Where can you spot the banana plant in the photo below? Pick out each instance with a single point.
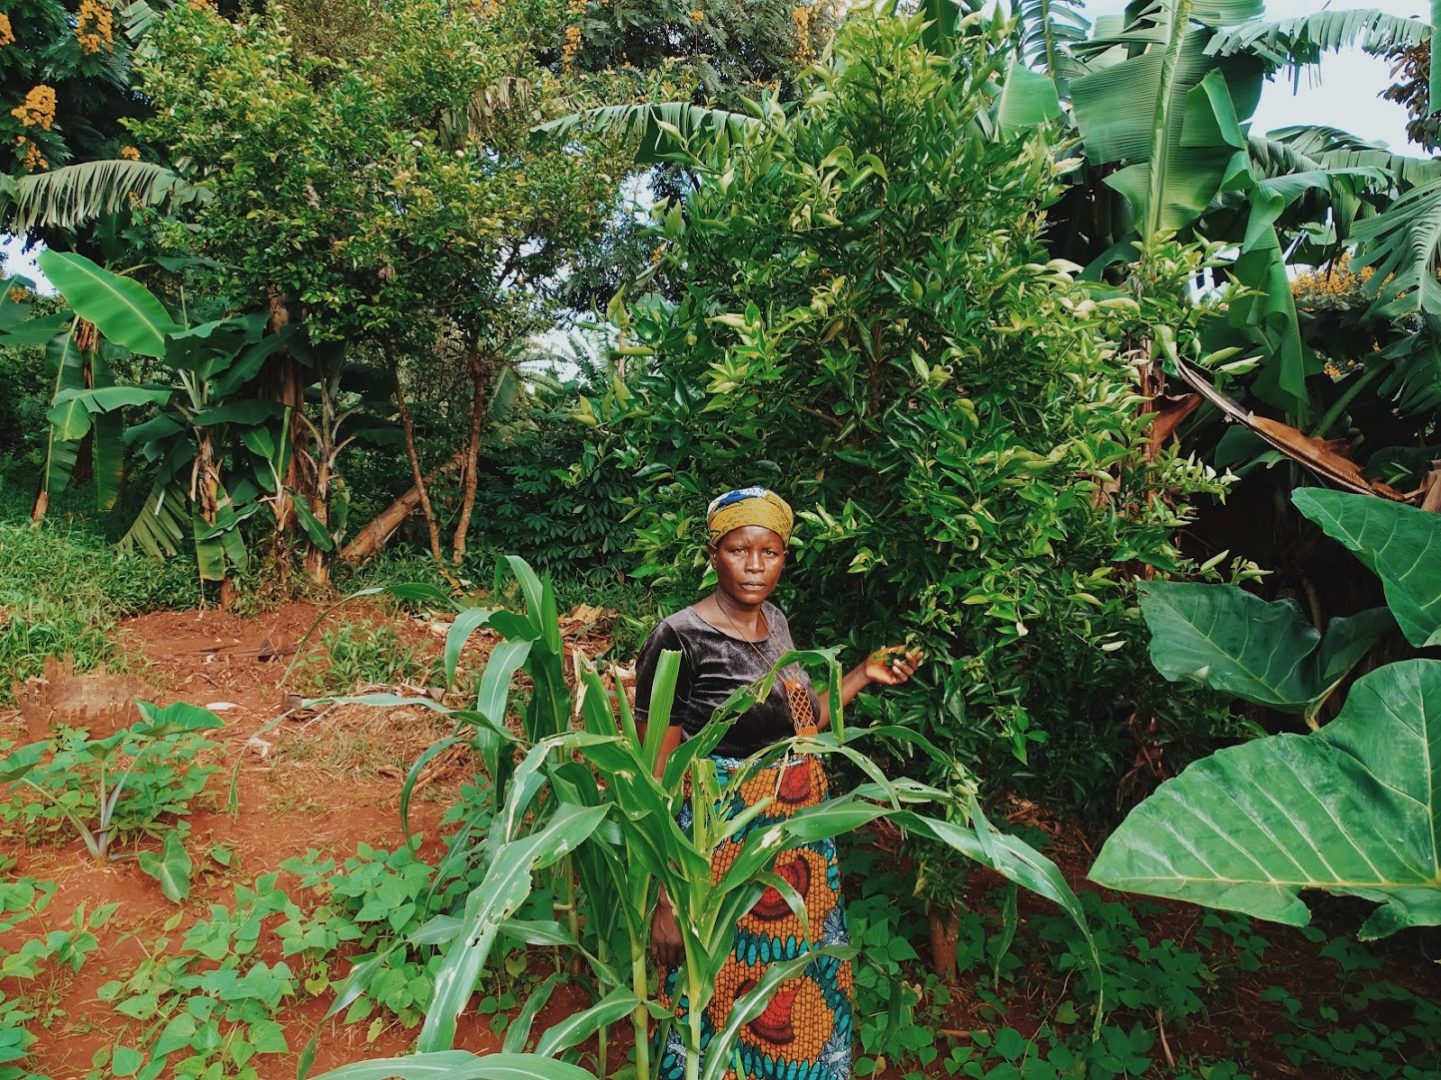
(1350, 808)
(1192, 165)
(77, 360)
(212, 365)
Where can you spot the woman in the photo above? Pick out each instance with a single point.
(730, 639)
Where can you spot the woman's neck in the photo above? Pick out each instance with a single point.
(748, 620)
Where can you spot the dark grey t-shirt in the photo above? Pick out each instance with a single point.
(712, 666)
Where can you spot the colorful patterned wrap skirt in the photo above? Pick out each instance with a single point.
(805, 1031)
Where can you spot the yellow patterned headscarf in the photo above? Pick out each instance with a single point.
(749, 506)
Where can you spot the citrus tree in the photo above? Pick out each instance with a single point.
(866, 319)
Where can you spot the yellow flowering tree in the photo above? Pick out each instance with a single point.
(66, 68)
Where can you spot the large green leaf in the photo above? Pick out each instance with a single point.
(160, 525)
(1046, 29)
(123, 310)
(35, 331)
(1177, 152)
(466, 623)
(460, 1065)
(67, 363)
(1400, 544)
(1403, 246)
(1027, 99)
(171, 867)
(1225, 638)
(1354, 808)
(1333, 148)
(71, 411)
(576, 1028)
(1268, 310)
(506, 884)
(74, 194)
(179, 717)
(1297, 42)
(1434, 90)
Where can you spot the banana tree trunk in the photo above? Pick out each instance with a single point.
(282, 381)
(317, 560)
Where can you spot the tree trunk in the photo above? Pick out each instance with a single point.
(369, 540)
(317, 561)
(479, 378)
(281, 381)
(420, 487)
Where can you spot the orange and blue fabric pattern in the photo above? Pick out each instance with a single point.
(805, 1031)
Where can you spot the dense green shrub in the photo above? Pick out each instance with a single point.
(548, 494)
(866, 321)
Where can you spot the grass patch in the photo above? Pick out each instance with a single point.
(63, 590)
(351, 656)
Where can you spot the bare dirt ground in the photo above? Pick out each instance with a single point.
(288, 781)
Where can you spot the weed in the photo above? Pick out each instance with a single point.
(62, 590)
(352, 655)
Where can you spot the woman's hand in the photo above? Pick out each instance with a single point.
(893, 664)
(665, 942)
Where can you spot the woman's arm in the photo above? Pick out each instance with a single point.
(889, 666)
(668, 742)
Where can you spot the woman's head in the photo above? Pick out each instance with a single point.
(748, 533)
(749, 506)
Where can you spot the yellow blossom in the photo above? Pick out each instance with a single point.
(696, 15)
(34, 159)
(19, 295)
(94, 27)
(129, 153)
(38, 108)
(571, 47)
(801, 16)
(7, 32)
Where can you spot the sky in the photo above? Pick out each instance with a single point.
(1343, 92)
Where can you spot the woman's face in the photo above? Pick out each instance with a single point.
(748, 564)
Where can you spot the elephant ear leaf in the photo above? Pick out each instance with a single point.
(1353, 809)
(1400, 544)
(1227, 639)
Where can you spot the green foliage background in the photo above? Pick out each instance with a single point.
(867, 321)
